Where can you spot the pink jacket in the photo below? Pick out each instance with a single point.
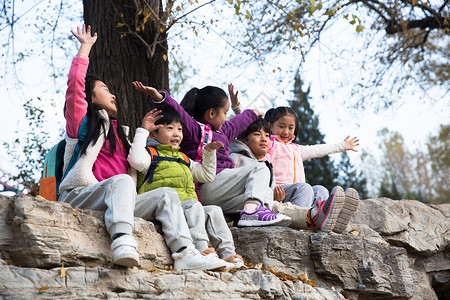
(106, 165)
(287, 158)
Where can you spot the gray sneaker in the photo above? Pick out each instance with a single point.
(325, 214)
(350, 206)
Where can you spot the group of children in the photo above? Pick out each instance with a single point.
(224, 167)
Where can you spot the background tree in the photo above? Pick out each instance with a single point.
(28, 150)
(406, 42)
(439, 157)
(318, 170)
(349, 176)
(133, 46)
(420, 175)
(397, 163)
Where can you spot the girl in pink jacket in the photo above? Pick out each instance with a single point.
(287, 159)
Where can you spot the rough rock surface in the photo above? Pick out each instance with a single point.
(401, 250)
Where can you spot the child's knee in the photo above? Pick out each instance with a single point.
(213, 211)
(123, 178)
(169, 196)
(123, 181)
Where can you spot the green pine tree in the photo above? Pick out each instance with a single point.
(318, 170)
(350, 177)
(389, 189)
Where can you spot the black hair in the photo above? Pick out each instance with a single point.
(197, 101)
(96, 124)
(170, 115)
(259, 124)
(273, 114)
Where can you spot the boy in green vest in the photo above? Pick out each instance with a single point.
(155, 155)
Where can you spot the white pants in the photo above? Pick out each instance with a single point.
(232, 188)
(116, 196)
(207, 224)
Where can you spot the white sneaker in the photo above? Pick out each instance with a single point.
(228, 266)
(238, 263)
(191, 259)
(124, 251)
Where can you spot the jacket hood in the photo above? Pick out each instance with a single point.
(236, 146)
(152, 142)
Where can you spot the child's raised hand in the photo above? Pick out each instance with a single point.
(233, 96)
(86, 40)
(148, 90)
(278, 193)
(84, 36)
(351, 143)
(213, 146)
(258, 113)
(150, 118)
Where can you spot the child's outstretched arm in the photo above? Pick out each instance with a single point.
(206, 172)
(138, 157)
(191, 129)
(351, 143)
(86, 40)
(76, 106)
(148, 90)
(235, 105)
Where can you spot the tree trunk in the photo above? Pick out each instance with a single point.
(121, 54)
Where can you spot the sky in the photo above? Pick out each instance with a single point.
(414, 119)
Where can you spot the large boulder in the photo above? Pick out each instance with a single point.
(49, 250)
(45, 234)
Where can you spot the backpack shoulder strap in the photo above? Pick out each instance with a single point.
(156, 158)
(205, 138)
(82, 133)
(154, 154)
(186, 159)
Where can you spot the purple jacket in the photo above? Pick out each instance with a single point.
(192, 132)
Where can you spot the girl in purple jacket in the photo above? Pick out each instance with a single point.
(203, 112)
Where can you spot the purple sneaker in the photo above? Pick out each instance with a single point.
(262, 217)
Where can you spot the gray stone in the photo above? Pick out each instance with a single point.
(399, 250)
(407, 223)
(48, 234)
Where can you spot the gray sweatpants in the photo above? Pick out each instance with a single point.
(207, 223)
(232, 188)
(303, 194)
(116, 196)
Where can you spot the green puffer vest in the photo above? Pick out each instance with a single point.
(169, 174)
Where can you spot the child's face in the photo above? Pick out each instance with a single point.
(220, 116)
(102, 97)
(258, 142)
(169, 134)
(284, 127)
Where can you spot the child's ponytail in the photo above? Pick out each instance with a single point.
(197, 101)
(189, 101)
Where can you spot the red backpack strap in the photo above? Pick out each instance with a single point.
(186, 159)
(205, 138)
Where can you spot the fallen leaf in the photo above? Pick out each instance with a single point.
(353, 231)
(43, 288)
(63, 272)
